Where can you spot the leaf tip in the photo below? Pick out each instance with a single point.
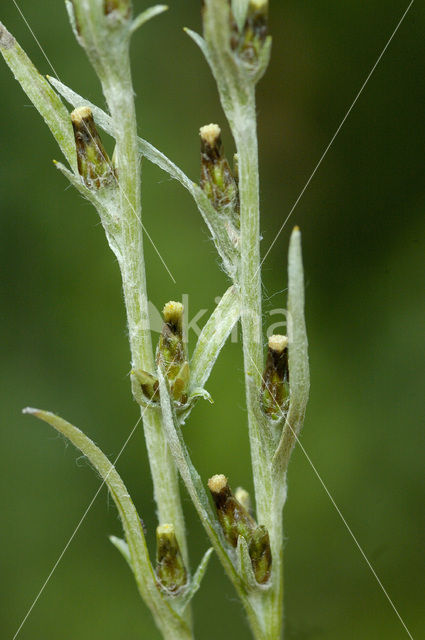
(31, 411)
(7, 41)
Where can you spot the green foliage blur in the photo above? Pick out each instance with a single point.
(63, 332)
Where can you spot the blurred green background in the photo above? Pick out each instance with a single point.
(63, 332)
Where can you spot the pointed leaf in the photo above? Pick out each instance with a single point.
(73, 21)
(196, 581)
(147, 15)
(122, 547)
(199, 40)
(244, 564)
(213, 336)
(299, 385)
(75, 180)
(264, 59)
(41, 94)
(245, 567)
(101, 118)
(165, 616)
(198, 392)
(129, 516)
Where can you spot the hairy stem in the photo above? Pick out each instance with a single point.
(119, 94)
(249, 277)
(269, 496)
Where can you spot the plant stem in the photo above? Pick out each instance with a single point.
(269, 495)
(119, 94)
(250, 277)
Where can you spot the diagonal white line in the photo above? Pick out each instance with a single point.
(347, 526)
(338, 510)
(44, 585)
(337, 131)
(35, 38)
(100, 151)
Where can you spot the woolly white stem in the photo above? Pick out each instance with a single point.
(119, 94)
(269, 496)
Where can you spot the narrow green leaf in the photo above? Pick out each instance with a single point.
(41, 94)
(195, 583)
(245, 566)
(199, 40)
(128, 514)
(212, 338)
(297, 353)
(122, 547)
(198, 392)
(264, 59)
(147, 15)
(101, 118)
(76, 181)
(73, 21)
(164, 614)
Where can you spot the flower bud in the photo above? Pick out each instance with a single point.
(93, 162)
(275, 386)
(171, 352)
(260, 554)
(249, 41)
(233, 517)
(236, 521)
(217, 180)
(170, 569)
